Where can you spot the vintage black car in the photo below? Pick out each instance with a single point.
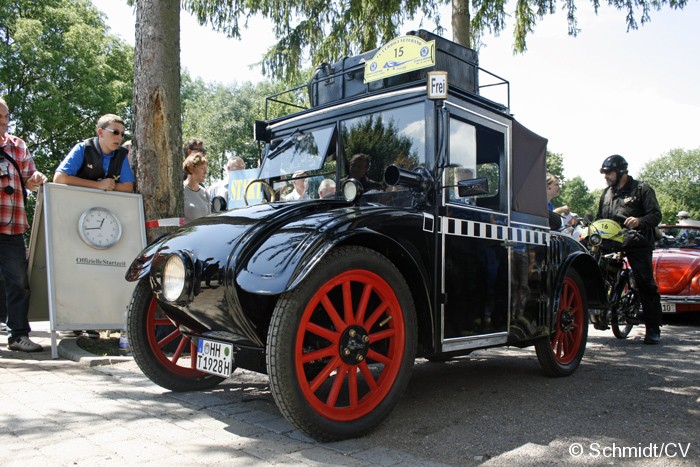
(439, 246)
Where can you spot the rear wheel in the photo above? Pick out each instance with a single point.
(341, 345)
(165, 355)
(561, 353)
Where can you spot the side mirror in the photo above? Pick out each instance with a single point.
(218, 204)
(473, 187)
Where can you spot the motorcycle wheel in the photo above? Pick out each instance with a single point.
(628, 305)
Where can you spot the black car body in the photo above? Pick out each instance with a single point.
(335, 297)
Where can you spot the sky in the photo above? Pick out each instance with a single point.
(607, 91)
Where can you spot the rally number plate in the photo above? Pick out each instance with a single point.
(215, 358)
(668, 307)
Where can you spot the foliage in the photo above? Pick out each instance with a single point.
(223, 116)
(60, 69)
(327, 30)
(381, 141)
(575, 194)
(675, 176)
(555, 165)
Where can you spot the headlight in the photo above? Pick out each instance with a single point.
(352, 189)
(595, 239)
(173, 278)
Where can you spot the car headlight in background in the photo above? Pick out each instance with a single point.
(174, 276)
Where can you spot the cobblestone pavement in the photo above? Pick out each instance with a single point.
(492, 408)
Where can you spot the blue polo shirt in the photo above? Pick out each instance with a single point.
(75, 158)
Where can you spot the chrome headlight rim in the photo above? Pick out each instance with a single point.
(176, 278)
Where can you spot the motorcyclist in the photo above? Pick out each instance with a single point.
(633, 203)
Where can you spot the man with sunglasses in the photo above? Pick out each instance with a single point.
(633, 203)
(17, 174)
(99, 162)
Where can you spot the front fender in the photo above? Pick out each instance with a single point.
(287, 256)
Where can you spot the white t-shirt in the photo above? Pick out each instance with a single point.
(197, 203)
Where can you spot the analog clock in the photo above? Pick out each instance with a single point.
(99, 227)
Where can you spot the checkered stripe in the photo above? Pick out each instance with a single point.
(13, 217)
(485, 230)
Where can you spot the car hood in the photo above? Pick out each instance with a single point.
(674, 268)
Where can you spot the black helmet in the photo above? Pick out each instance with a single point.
(614, 163)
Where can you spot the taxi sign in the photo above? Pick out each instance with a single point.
(215, 357)
(401, 55)
(437, 85)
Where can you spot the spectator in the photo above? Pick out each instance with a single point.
(197, 202)
(554, 190)
(299, 184)
(190, 146)
(220, 188)
(100, 162)
(326, 189)
(17, 174)
(127, 146)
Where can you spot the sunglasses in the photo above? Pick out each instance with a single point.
(115, 132)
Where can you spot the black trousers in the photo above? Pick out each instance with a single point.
(640, 261)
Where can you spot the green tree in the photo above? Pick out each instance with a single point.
(575, 194)
(675, 176)
(60, 69)
(223, 116)
(326, 30)
(555, 165)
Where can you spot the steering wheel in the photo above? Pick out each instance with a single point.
(268, 193)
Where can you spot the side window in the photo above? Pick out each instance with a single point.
(476, 152)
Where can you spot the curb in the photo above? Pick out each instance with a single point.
(69, 349)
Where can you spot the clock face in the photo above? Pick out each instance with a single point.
(99, 227)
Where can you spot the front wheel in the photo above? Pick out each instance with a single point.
(165, 355)
(561, 353)
(627, 310)
(341, 345)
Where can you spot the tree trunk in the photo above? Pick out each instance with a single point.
(156, 152)
(460, 22)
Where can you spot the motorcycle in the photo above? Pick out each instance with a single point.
(604, 239)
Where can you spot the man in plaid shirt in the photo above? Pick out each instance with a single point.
(17, 174)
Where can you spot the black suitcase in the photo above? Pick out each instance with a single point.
(345, 78)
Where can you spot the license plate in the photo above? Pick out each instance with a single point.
(668, 307)
(214, 357)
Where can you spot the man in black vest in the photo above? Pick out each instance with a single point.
(99, 162)
(633, 204)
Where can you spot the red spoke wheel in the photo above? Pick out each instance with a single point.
(561, 353)
(341, 345)
(165, 355)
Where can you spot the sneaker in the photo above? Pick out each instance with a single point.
(25, 345)
(92, 334)
(3, 326)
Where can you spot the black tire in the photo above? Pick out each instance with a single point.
(628, 305)
(172, 370)
(560, 354)
(337, 374)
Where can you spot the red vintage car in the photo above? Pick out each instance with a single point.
(676, 263)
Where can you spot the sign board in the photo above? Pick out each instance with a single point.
(82, 243)
(238, 180)
(398, 56)
(437, 85)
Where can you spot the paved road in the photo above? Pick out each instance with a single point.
(491, 408)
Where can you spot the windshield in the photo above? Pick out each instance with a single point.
(298, 152)
(680, 236)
